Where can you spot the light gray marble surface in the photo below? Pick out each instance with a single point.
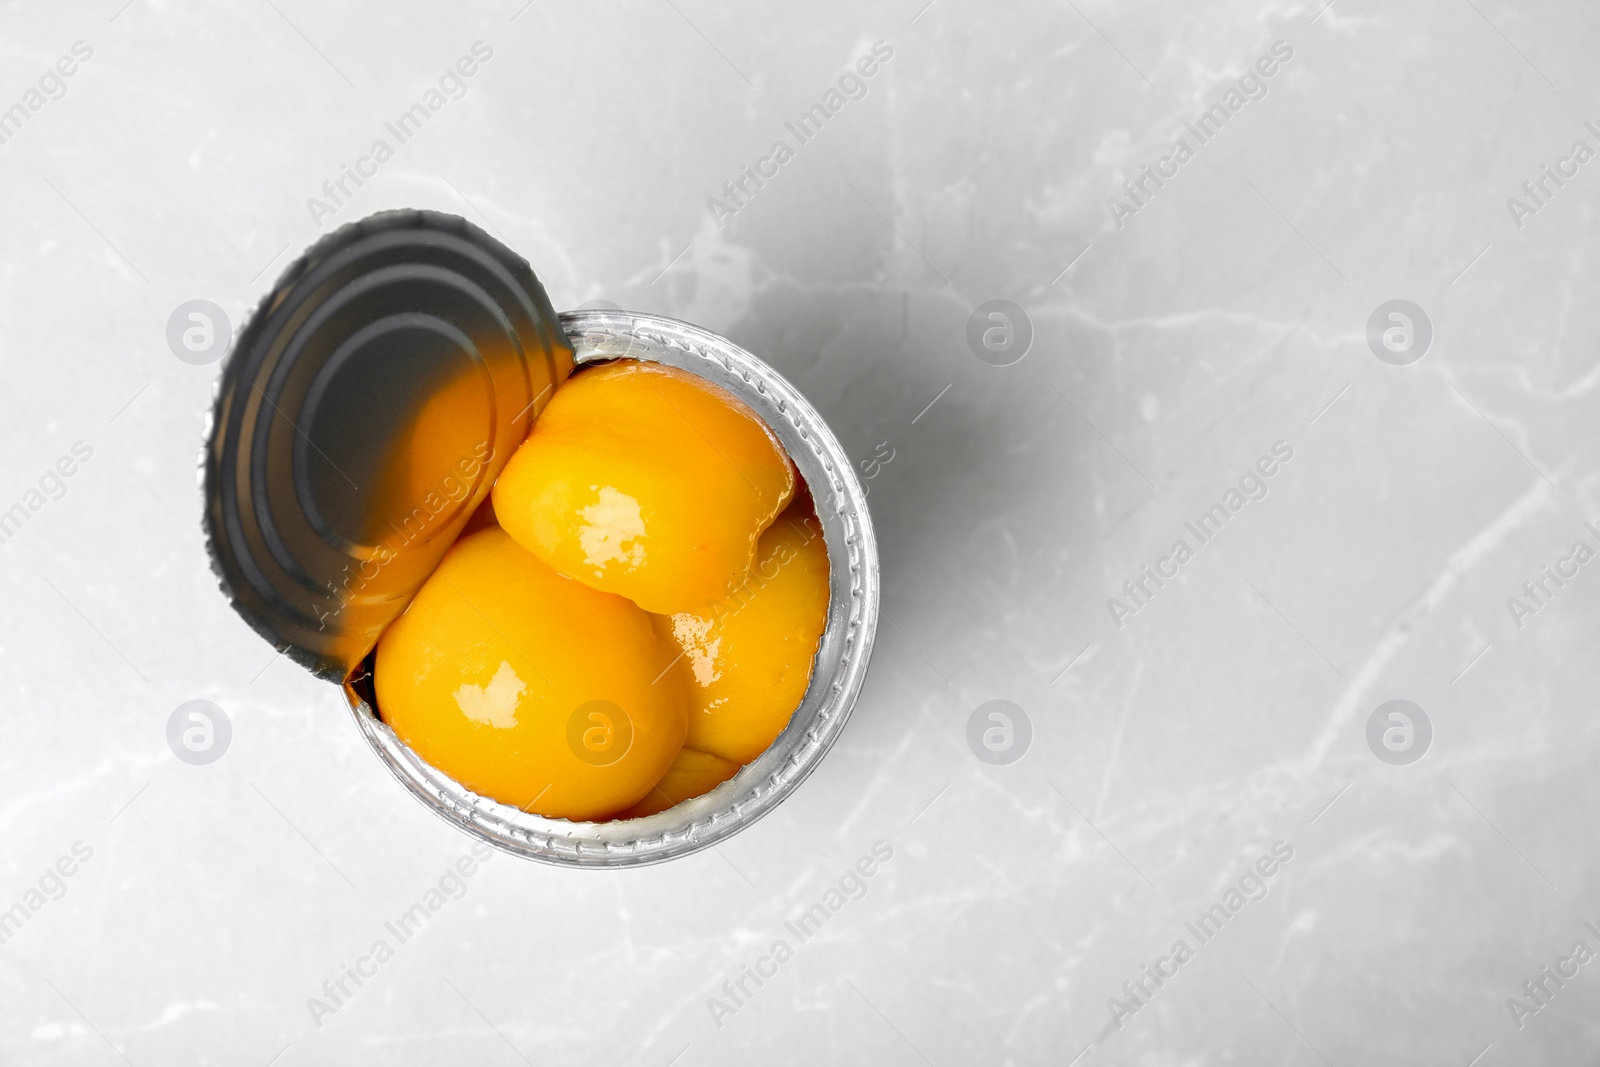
(1227, 312)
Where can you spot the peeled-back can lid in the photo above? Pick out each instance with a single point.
(361, 418)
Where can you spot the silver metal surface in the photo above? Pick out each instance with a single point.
(362, 415)
(841, 661)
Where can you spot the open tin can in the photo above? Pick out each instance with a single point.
(333, 482)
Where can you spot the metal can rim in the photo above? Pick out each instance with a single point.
(838, 672)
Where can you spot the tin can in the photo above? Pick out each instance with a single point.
(510, 338)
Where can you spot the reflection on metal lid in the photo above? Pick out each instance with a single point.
(362, 416)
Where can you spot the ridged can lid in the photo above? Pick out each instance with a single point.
(361, 418)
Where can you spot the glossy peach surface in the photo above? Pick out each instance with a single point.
(648, 482)
(531, 688)
(692, 773)
(748, 657)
